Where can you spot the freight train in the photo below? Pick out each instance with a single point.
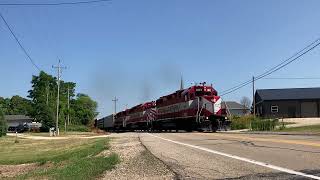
(195, 108)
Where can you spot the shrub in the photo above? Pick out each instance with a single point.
(255, 124)
(79, 128)
(3, 124)
(242, 122)
(264, 125)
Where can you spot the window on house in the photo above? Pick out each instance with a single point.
(274, 109)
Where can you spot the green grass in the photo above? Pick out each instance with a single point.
(77, 168)
(58, 159)
(243, 122)
(253, 123)
(29, 151)
(263, 124)
(78, 128)
(307, 129)
(256, 124)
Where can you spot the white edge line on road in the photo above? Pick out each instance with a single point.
(242, 159)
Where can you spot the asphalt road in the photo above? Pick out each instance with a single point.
(236, 156)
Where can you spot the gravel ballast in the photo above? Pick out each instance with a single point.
(136, 161)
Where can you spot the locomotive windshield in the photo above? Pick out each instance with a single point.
(201, 92)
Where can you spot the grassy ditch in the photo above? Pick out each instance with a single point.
(58, 159)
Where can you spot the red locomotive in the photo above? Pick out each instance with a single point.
(195, 108)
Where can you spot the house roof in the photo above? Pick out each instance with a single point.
(17, 117)
(289, 94)
(232, 105)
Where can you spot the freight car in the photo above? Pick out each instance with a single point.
(106, 123)
(195, 108)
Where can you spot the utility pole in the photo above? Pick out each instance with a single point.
(68, 105)
(115, 105)
(59, 70)
(253, 98)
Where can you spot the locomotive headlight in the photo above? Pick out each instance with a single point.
(207, 118)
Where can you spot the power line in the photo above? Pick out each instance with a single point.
(288, 78)
(237, 86)
(284, 63)
(20, 45)
(275, 67)
(288, 60)
(53, 4)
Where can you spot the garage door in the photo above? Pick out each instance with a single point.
(309, 109)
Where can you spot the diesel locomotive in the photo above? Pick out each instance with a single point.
(195, 108)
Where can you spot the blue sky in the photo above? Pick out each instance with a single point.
(137, 50)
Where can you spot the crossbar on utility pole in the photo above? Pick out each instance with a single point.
(59, 71)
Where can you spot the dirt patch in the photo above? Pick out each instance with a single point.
(298, 122)
(104, 153)
(136, 161)
(9, 171)
(69, 136)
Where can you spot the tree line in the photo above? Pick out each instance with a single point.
(41, 103)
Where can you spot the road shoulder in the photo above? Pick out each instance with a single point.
(136, 161)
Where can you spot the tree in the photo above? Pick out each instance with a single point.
(245, 102)
(15, 106)
(43, 98)
(46, 116)
(19, 105)
(3, 124)
(85, 109)
(5, 105)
